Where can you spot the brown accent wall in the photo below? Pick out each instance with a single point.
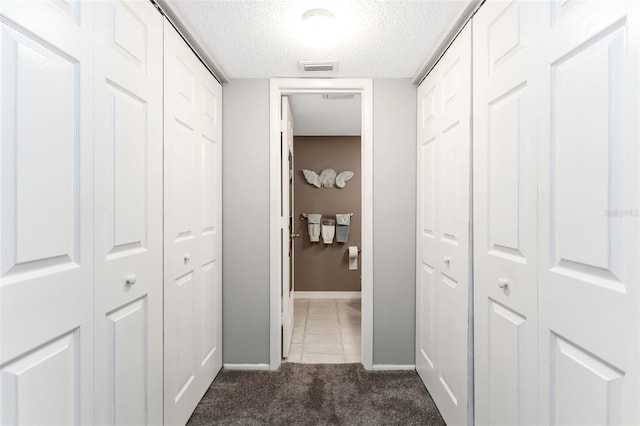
(319, 266)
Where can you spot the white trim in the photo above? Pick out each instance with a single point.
(278, 87)
(242, 367)
(393, 367)
(327, 295)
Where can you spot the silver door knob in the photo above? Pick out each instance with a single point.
(294, 236)
(187, 258)
(130, 280)
(503, 283)
(447, 260)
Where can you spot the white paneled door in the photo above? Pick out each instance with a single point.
(128, 213)
(505, 88)
(589, 189)
(192, 222)
(46, 213)
(286, 232)
(442, 301)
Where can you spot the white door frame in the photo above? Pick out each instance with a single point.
(284, 86)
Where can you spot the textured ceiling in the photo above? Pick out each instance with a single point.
(378, 38)
(315, 116)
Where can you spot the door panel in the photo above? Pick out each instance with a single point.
(582, 242)
(128, 364)
(46, 379)
(181, 189)
(426, 354)
(507, 361)
(209, 287)
(286, 228)
(128, 213)
(127, 171)
(180, 368)
(57, 162)
(504, 162)
(452, 251)
(443, 239)
(589, 195)
(588, 389)
(192, 248)
(505, 219)
(46, 267)
(208, 337)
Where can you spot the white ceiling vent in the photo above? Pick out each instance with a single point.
(318, 66)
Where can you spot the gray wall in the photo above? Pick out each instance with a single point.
(394, 221)
(246, 221)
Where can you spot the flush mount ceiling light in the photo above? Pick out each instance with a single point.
(319, 27)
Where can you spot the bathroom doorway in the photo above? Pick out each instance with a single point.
(314, 310)
(325, 198)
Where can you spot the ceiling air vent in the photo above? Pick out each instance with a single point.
(337, 96)
(318, 66)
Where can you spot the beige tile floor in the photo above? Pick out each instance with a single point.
(326, 331)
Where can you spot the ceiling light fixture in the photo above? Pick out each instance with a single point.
(319, 27)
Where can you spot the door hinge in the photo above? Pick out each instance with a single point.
(282, 125)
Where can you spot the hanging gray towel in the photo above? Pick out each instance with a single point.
(313, 222)
(343, 223)
(328, 230)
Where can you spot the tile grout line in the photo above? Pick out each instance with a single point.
(303, 326)
(335, 301)
(304, 331)
(344, 354)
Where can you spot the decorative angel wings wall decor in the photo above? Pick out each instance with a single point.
(327, 178)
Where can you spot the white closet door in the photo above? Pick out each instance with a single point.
(442, 310)
(209, 207)
(46, 208)
(589, 199)
(128, 213)
(426, 302)
(192, 248)
(181, 187)
(505, 212)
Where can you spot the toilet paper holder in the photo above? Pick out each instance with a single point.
(354, 253)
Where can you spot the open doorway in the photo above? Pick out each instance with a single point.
(325, 204)
(286, 226)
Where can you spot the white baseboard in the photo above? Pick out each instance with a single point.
(246, 366)
(393, 367)
(327, 295)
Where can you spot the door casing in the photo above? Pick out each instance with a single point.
(286, 86)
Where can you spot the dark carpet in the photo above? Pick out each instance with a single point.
(317, 394)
